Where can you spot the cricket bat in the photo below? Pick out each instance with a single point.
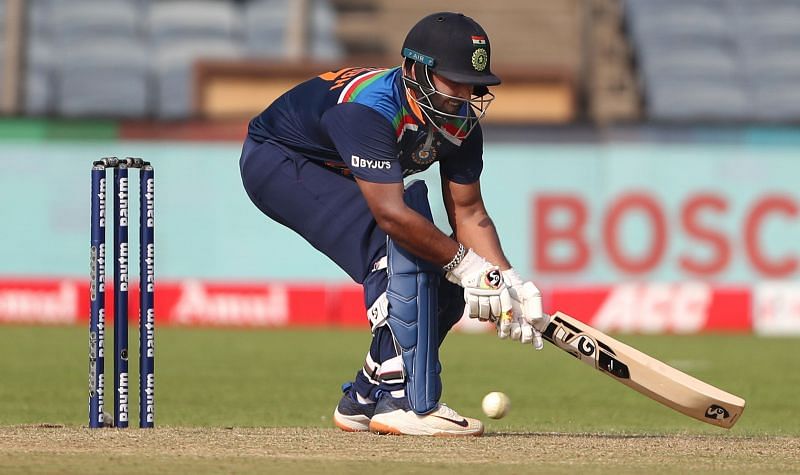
(643, 373)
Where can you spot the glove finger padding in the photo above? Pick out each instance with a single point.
(473, 306)
(484, 287)
(522, 331)
(515, 327)
(485, 308)
(526, 303)
(506, 308)
(505, 327)
(537, 339)
(531, 300)
(494, 304)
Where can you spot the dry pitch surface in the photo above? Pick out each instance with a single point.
(56, 449)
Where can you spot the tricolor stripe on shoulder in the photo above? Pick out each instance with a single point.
(401, 119)
(404, 121)
(358, 84)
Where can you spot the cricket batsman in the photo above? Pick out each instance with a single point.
(328, 158)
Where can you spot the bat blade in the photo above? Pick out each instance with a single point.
(643, 373)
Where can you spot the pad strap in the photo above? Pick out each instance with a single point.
(378, 312)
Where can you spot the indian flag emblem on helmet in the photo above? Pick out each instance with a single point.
(479, 59)
(478, 40)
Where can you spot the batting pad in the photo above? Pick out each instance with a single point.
(412, 293)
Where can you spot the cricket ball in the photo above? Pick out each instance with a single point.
(495, 405)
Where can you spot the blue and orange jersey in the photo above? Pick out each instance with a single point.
(360, 122)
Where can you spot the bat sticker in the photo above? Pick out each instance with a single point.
(717, 412)
(586, 345)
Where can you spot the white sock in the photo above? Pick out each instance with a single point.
(398, 393)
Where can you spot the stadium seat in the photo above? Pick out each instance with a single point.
(80, 20)
(690, 7)
(773, 63)
(173, 72)
(39, 19)
(37, 84)
(324, 45)
(688, 59)
(108, 79)
(777, 100)
(61, 35)
(265, 28)
(2, 43)
(697, 100)
(774, 17)
(679, 19)
(2, 64)
(38, 91)
(717, 60)
(183, 19)
(64, 75)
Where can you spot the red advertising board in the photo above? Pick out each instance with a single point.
(628, 308)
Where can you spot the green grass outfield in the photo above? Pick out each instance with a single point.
(291, 378)
(222, 378)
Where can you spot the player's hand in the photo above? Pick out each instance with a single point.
(485, 291)
(526, 301)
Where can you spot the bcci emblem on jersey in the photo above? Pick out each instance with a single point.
(424, 155)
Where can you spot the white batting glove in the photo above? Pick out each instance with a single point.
(526, 302)
(485, 291)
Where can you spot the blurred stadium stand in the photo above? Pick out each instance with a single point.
(718, 60)
(179, 33)
(265, 27)
(562, 61)
(173, 72)
(537, 47)
(2, 45)
(11, 14)
(182, 59)
(103, 78)
(609, 80)
(150, 48)
(536, 43)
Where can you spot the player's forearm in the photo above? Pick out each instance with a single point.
(479, 233)
(420, 237)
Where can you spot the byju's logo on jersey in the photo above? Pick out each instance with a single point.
(358, 162)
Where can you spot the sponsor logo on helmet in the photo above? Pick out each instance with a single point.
(419, 57)
(479, 59)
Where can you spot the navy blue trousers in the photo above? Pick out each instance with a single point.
(329, 211)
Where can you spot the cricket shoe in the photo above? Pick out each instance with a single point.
(350, 415)
(394, 416)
